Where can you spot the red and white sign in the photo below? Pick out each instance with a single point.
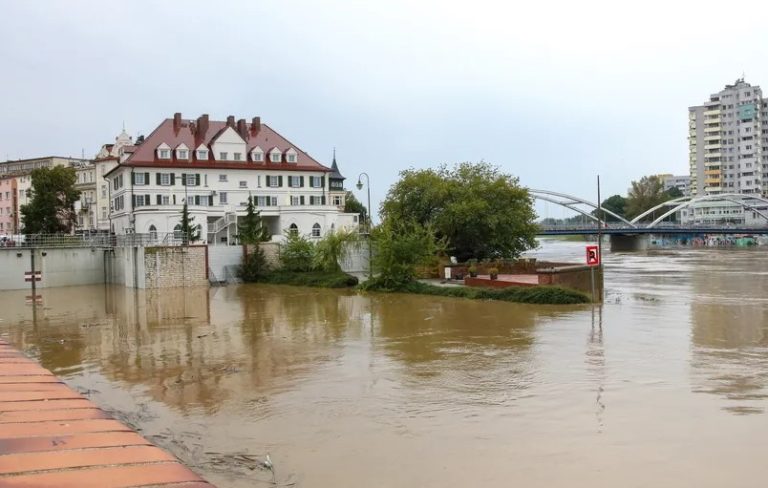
(28, 276)
(593, 256)
(38, 299)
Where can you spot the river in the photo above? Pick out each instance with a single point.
(665, 385)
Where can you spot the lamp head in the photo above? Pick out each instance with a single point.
(359, 184)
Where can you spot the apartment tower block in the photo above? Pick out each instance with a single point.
(727, 138)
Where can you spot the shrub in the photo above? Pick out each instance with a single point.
(297, 253)
(553, 295)
(400, 248)
(313, 278)
(255, 266)
(332, 248)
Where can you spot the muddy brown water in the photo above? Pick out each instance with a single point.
(664, 385)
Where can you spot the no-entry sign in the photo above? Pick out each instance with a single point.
(29, 276)
(593, 256)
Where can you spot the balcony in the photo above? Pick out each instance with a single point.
(712, 146)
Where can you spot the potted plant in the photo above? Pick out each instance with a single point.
(494, 272)
(472, 270)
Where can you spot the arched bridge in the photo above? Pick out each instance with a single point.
(641, 224)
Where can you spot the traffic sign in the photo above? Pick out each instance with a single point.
(593, 256)
(38, 276)
(38, 299)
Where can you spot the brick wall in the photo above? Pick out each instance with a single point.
(173, 266)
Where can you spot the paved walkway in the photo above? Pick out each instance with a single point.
(51, 436)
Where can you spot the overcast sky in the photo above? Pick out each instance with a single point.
(553, 92)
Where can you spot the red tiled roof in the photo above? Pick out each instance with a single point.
(145, 154)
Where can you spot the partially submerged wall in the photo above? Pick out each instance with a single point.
(57, 267)
(173, 266)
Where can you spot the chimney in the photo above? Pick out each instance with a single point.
(242, 129)
(202, 124)
(177, 121)
(192, 127)
(256, 124)
(231, 121)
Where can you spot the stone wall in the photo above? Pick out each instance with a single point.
(172, 266)
(574, 277)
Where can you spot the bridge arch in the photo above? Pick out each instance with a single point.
(571, 202)
(683, 202)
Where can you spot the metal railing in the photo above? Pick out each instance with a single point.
(91, 240)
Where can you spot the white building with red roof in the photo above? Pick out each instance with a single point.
(215, 166)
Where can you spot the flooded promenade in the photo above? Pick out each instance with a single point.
(664, 385)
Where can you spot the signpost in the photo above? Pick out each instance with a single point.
(593, 256)
(30, 275)
(593, 259)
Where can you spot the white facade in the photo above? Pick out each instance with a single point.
(724, 213)
(150, 200)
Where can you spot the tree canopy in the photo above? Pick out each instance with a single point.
(647, 193)
(616, 204)
(252, 229)
(479, 211)
(189, 231)
(353, 205)
(52, 207)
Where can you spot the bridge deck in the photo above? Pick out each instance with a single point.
(655, 230)
(52, 436)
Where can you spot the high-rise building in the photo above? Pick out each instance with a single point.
(726, 138)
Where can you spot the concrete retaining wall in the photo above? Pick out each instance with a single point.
(58, 266)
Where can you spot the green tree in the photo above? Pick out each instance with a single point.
(332, 248)
(674, 192)
(616, 204)
(189, 231)
(52, 206)
(401, 247)
(478, 210)
(645, 194)
(297, 253)
(353, 205)
(252, 229)
(255, 266)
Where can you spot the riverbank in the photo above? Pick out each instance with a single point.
(543, 295)
(52, 436)
(318, 279)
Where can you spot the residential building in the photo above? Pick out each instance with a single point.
(681, 182)
(214, 166)
(19, 171)
(719, 213)
(108, 157)
(727, 135)
(8, 215)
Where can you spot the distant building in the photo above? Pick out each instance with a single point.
(215, 166)
(726, 142)
(8, 215)
(682, 183)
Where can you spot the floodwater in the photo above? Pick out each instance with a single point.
(665, 385)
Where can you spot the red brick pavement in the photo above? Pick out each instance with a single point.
(51, 436)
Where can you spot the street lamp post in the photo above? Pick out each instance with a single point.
(370, 248)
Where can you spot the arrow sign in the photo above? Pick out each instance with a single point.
(38, 276)
(593, 256)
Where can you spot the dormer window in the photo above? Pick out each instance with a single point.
(257, 155)
(275, 156)
(291, 156)
(164, 151)
(202, 154)
(182, 152)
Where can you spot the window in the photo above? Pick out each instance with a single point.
(337, 200)
(139, 178)
(152, 232)
(313, 200)
(238, 157)
(140, 200)
(316, 181)
(190, 200)
(316, 230)
(182, 154)
(222, 197)
(103, 191)
(202, 154)
(164, 154)
(257, 156)
(273, 181)
(293, 229)
(243, 184)
(295, 181)
(275, 156)
(177, 234)
(223, 156)
(191, 180)
(295, 200)
(291, 158)
(164, 179)
(104, 213)
(223, 178)
(165, 200)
